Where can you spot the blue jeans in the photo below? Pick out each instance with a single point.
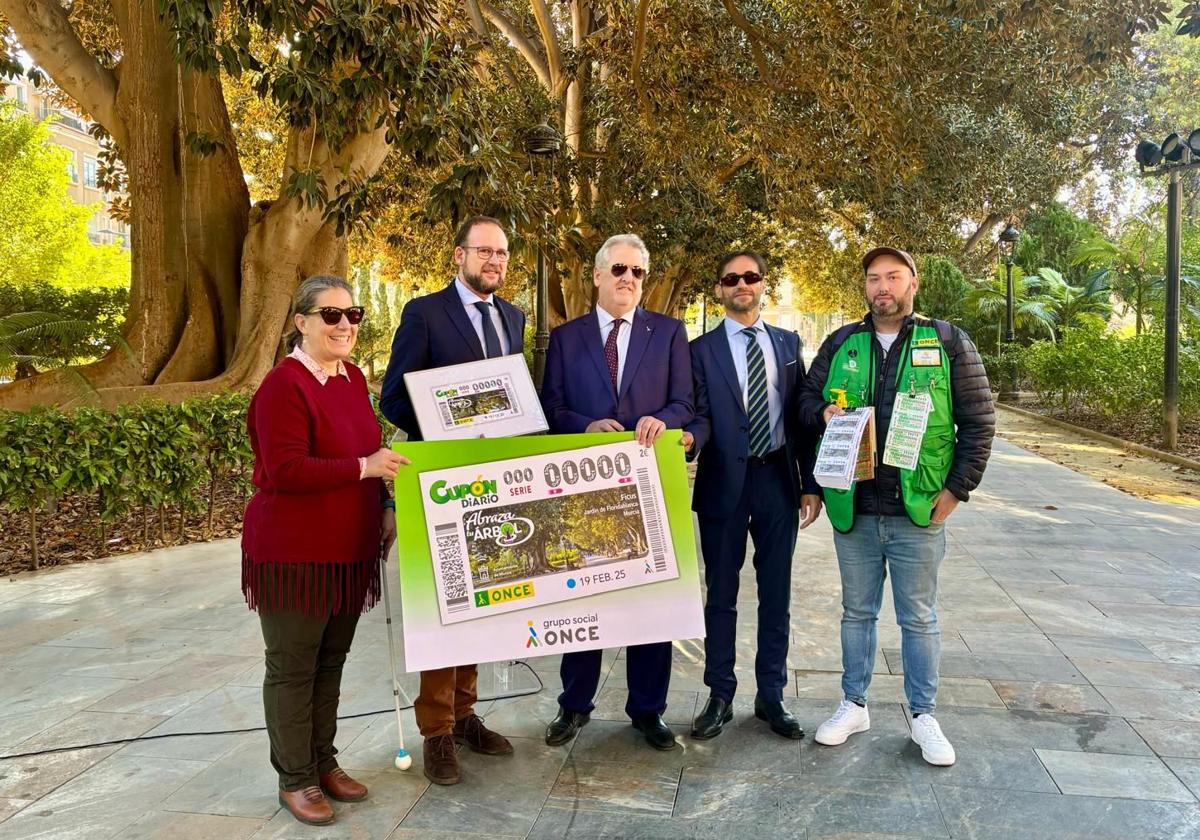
(913, 554)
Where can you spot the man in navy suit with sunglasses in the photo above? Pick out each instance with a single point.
(754, 472)
(465, 322)
(618, 368)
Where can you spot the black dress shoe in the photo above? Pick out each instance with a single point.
(712, 719)
(564, 726)
(656, 731)
(780, 719)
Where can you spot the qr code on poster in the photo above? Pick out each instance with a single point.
(454, 582)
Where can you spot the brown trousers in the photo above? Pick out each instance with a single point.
(305, 655)
(447, 695)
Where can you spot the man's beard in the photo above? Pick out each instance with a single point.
(479, 284)
(898, 306)
(733, 304)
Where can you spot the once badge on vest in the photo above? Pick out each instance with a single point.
(926, 357)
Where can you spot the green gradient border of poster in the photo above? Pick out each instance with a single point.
(417, 589)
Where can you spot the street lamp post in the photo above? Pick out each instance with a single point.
(1170, 159)
(541, 142)
(1008, 245)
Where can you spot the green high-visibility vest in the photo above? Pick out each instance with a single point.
(851, 372)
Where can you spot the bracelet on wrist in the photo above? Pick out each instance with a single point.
(389, 504)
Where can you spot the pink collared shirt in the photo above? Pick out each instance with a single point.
(323, 376)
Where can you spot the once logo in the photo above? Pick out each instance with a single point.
(570, 635)
(532, 641)
(503, 594)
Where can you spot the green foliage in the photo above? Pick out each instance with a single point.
(1049, 239)
(943, 289)
(45, 326)
(1094, 370)
(143, 456)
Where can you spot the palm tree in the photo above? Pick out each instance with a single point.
(1033, 312)
(1131, 266)
(1074, 305)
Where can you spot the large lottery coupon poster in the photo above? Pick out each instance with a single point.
(535, 546)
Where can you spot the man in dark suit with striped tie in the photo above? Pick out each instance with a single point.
(465, 322)
(754, 472)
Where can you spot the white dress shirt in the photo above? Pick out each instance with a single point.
(468, 297)
(737, 346)
(606, 326)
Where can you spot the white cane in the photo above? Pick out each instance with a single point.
(403, 759)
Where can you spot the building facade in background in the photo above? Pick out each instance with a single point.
(70, 131)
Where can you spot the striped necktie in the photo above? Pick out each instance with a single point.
(756, 389)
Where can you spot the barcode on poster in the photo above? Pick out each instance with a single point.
(449, 554)
(653, 521)
(447, 417)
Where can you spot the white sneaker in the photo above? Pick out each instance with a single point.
(928, 736)
(847, 720)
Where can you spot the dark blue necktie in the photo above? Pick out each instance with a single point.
(491, 341)
(756, 389)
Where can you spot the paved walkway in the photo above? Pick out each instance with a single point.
(1071, 689)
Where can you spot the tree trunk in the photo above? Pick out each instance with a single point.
(33, 539)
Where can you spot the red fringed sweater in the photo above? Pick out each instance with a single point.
(310, 538)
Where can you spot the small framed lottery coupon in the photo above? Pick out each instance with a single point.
(490, 398)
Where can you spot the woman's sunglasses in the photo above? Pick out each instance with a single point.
(332, 315)
(619, 269)
(751, 277)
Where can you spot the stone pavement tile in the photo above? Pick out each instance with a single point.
(75, 692)
(1152, 675)
(392, 796)
(991, 729)
(993, 641)
(1180, 597)
(1170, 738)
(128, 663)
(172, 689)
(1103, 647)
(502, 793)
(16, 728)
(36, 776)
(169, 825)
(515, 717)
(1114, 578)
(566, 824)
(681, 705)
(610, 740)
(8, 807)
(1188, 771)
(403, 833)
(986, 814)
(1051, 697)
(242, 784)
(746, 743)
(1182, 652)
(618, 788)
(193, 747)
(886, 751)
(89, 728)
(809, 653)
(820, 805)
(225, 707)
(888, 688)
(1125, 776)
(995, 666)
(371, 743)
(103, 802)
(1152, 703)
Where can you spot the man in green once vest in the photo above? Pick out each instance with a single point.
(927, 379)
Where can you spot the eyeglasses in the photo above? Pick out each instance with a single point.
(486, 253)
(751, 277)
(619, 269)
(332, 315)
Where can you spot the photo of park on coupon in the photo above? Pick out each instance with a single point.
(508, 535)
(474, 402)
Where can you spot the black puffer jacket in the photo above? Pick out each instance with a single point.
(974, 414)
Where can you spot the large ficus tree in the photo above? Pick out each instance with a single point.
(213, 274)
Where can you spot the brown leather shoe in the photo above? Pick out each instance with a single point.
(308, 805)
(338, 785)
(441, 760)
(471, 731)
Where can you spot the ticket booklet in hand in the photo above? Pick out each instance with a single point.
(847, 452)
(490, 398)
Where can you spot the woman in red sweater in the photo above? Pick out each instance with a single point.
(312, 537)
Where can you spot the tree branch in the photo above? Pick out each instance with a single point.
(753, 37)
(550, 41)
(44, 30)
(736, 166)
(639, 50)
(983, 230)
(518, 40)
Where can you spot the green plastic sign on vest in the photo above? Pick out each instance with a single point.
(920, 372)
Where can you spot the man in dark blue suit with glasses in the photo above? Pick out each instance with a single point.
(618, 368)
(754, 473)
